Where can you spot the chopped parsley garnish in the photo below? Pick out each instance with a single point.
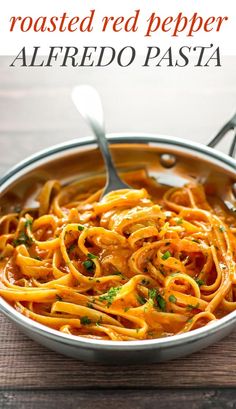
(23, 238)
(71, 248)
(141, 299)
(91, 256)
(58, 297)
(152, 293)
(145, 282)
(166, 255)
(222, 229)
(222, 266)
(38, 258)
(28, 223)
(118, 273)
(158, 300)
(199, 282)
(89, 265)
(89, 305)
(172, 298)
(111, 294)
(179, 220)
(192, 307)
(126, 309)
(99, 321)
(80, 228)
(85, 320)
(161, 302)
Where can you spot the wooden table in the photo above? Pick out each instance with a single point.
(36, 112)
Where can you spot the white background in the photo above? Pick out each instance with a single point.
(36, 109)
(12, 42)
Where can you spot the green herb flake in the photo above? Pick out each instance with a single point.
(89, 265)
(90, 305)
(222, 229)
(71, 248)
(58, 297)
(38, 258)
(126, 309)
(141, 299)
(80, 228)
(85, 320)
(192, 307)
(161, 302)
(99, 321)
(222, 266)
(166, 255)
(111, 294)
(152, 293)
(28, 223)
(23, 238)
(172, 298)
(91, 256)
(117, 273)
(174, 274)
(145, 282)
(199, 282)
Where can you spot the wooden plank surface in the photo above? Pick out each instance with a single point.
(167, 399)
(25, 364)
(36, 112)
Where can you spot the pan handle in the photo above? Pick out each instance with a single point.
(229, 126)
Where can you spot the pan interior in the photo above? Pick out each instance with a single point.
(169, 165)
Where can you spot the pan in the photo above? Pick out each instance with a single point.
(166, 158)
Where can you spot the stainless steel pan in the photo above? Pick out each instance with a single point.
(163, 157)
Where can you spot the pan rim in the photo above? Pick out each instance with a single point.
(131, 137)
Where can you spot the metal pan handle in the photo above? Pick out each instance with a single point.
(229, 126)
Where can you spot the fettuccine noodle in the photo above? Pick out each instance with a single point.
(138, 264)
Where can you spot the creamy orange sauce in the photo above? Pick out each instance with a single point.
(143, 263)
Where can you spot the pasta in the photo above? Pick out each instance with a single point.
(141, 263)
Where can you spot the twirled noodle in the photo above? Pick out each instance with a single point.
(137, 264)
